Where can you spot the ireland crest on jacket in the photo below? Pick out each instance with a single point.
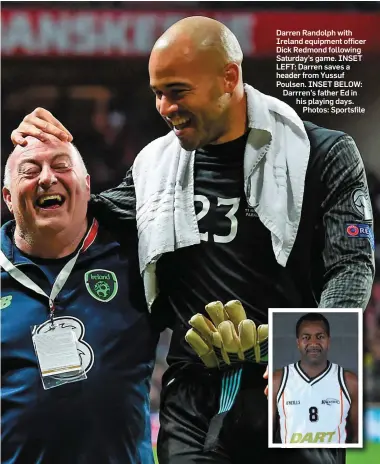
(101, 284)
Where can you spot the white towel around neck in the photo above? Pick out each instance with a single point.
(275, 162)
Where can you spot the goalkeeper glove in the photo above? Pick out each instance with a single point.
(229, 337)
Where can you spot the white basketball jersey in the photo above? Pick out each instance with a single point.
(313, 410)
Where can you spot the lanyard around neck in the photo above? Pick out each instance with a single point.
(62, 277)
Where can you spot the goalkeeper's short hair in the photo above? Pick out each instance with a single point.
(313, 317)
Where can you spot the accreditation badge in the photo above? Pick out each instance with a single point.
(57, 353)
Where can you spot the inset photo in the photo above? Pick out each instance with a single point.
(315, 378)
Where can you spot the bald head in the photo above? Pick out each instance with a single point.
(199, 34)
(32, 144)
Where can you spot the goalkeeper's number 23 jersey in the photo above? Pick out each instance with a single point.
(313, 410)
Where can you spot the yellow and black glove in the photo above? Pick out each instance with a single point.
(229, 337)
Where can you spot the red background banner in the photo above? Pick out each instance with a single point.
(114, 33)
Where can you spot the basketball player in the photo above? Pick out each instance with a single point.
(213, 161)
(316, 400)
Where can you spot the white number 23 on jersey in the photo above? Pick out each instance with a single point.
(234, 203)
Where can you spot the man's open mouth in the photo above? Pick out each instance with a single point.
(51, 201)
(180, 123)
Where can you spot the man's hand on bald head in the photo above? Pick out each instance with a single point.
(34, 146)
(49, 140)
(39, 123)
(50, 143)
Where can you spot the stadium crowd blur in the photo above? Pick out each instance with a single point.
(109, 109)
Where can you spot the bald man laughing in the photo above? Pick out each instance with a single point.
(241, 200)
(198, 61)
